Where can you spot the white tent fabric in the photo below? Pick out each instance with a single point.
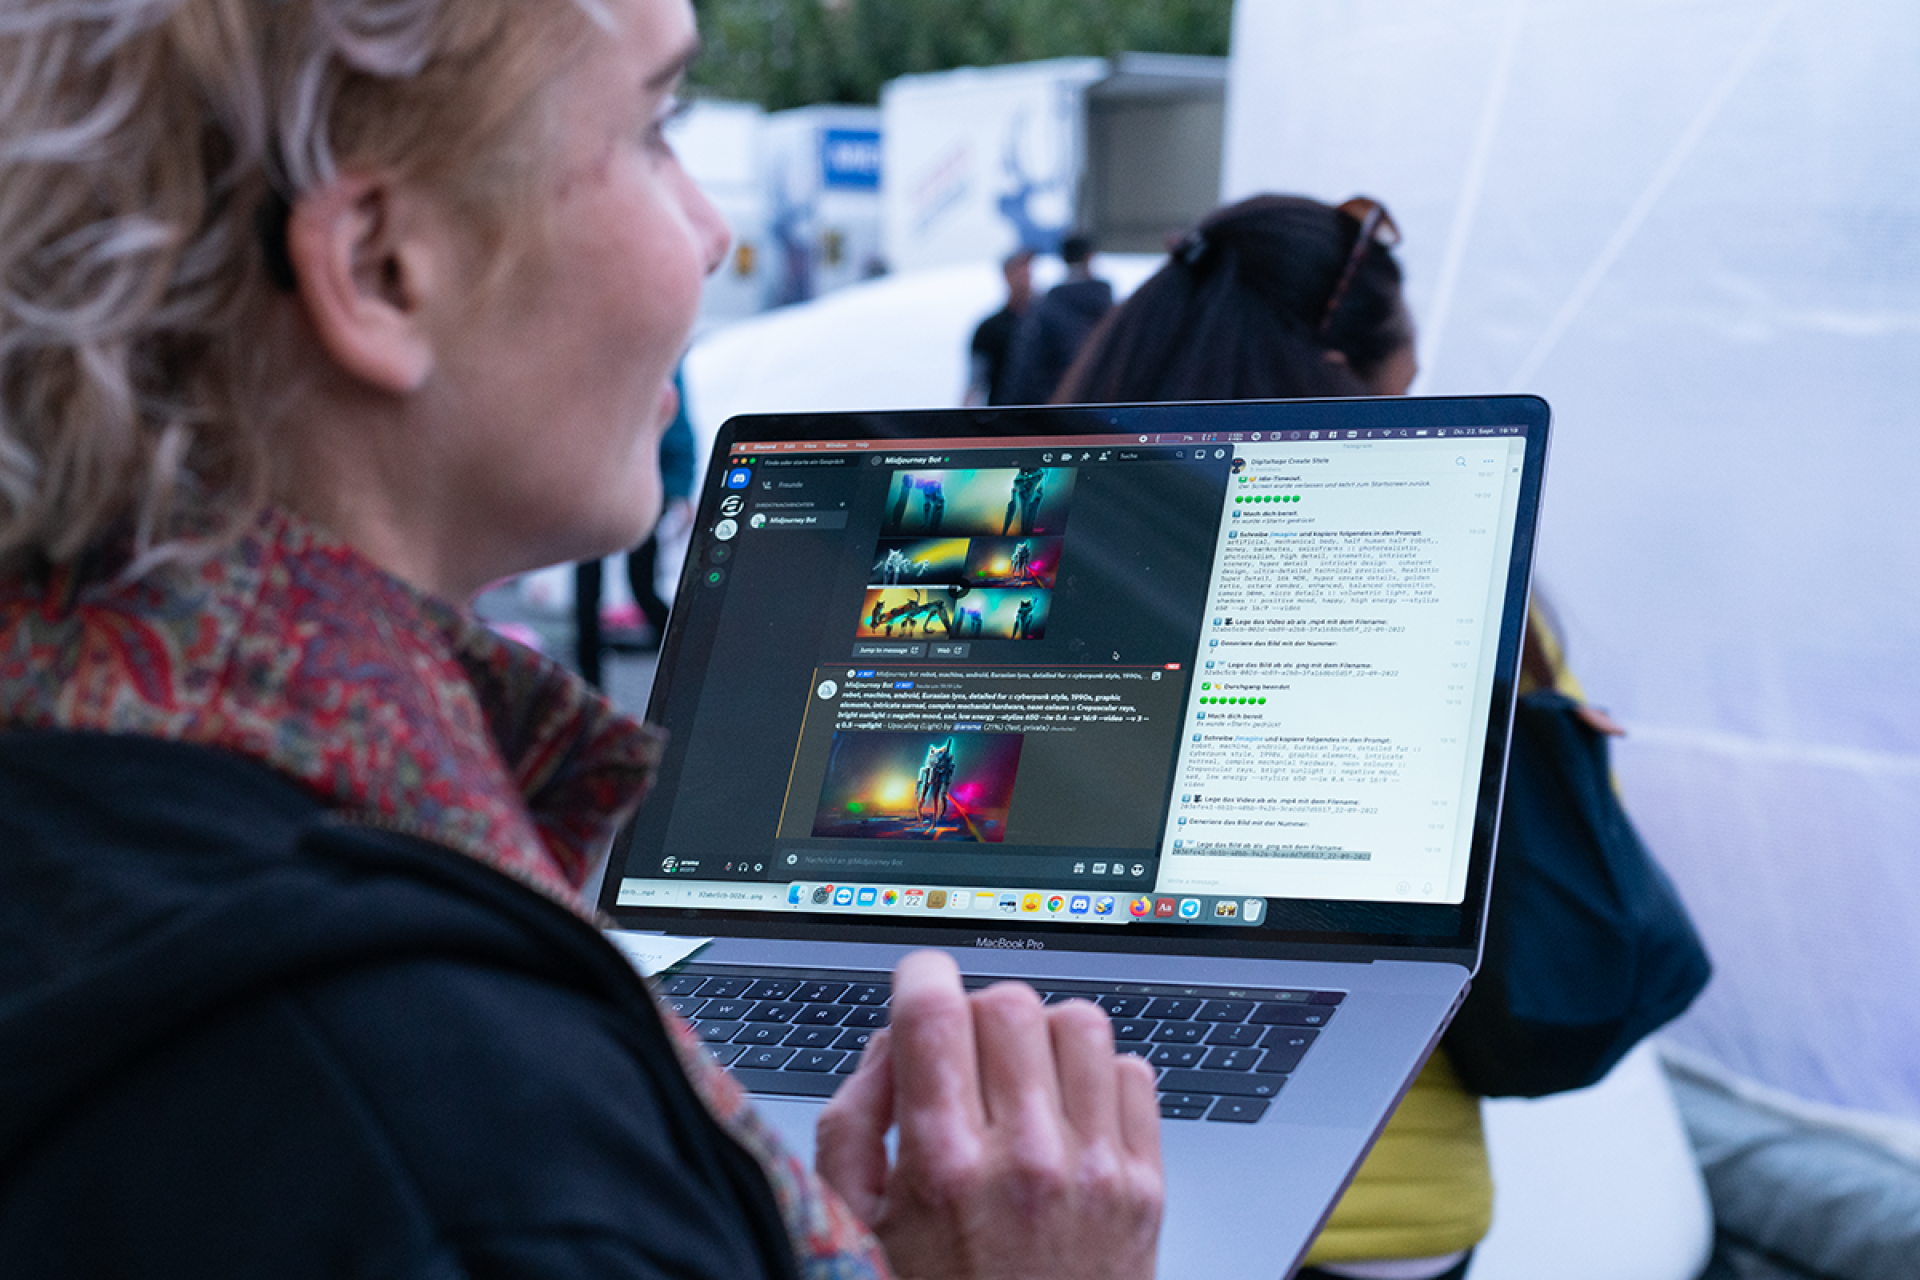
(1694, 227)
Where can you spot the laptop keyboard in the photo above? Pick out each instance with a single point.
(1221, 1054)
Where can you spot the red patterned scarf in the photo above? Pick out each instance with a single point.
(393, 708)
(390, 706)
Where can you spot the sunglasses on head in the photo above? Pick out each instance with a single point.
(1376, 227)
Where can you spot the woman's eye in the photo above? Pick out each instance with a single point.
(670, 110)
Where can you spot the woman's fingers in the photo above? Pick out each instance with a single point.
(850, 1141)
(1027, 1147)
(937, 1096)
(1082, 1040)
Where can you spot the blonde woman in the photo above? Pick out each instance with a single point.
(315, 317)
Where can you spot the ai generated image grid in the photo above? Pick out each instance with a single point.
(990, 572)
(918, 786)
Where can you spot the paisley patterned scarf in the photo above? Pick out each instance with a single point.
(395, 709)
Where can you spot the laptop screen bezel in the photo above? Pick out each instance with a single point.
(1345, 935)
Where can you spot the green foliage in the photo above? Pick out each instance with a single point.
(790, 53)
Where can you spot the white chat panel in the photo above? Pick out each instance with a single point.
(1332, 742)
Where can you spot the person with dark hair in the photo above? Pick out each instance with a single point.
(1282, 297)
(1048, 340)
(993, 340)
(1275, 297)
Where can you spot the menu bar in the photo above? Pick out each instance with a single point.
(1084, 442)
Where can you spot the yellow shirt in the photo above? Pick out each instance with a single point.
(1424, 1190)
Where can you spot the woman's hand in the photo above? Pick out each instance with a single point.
(1027, 1146)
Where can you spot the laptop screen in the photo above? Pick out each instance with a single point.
(1234, 672)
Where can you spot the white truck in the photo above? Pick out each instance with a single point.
(981, 161)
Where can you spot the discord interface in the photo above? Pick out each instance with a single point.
(1092, 678)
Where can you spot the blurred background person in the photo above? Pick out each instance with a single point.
(993, 340)
(1051, 335)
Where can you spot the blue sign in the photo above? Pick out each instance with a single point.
(850, 159)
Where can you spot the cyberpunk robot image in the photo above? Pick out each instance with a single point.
(933, 784)
(933, 503)
(896, 565)
(1029, 487)
(921, 613)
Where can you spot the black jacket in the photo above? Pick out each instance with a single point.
(241, 1038)
(1050, 336)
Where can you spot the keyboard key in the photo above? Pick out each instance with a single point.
(822, 1060)
(805, 1084)
(1134, 1029)
(1122, 1006)
(821, 1015)
(1238, 1084)
(1241, 1035)
(768, 1058)
(726, 1009)
(681, 984)
(866, 993)
(1231, 1059)
(820, 992)
(1327, 997)
(1285, 1047)
(1177, 1055)
(1240, 1110)
(1172, 1007)
(1170, 1110)
(1201, 1101)
(811, 1037)
(1293, 1015)
(1180, 1032)
(724, 1054)
(1138, 1048)
(752, 1033)
(854, 1038)
(774, 1011)
(1225, 1011)
(869, 1016)
(773, 989)
(725, 988)
(686, 1006)
(717, 1032)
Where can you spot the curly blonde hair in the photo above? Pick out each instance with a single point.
(148, 153)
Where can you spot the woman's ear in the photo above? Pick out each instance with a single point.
(363, 251)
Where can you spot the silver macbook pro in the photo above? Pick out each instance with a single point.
(1197, 710)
